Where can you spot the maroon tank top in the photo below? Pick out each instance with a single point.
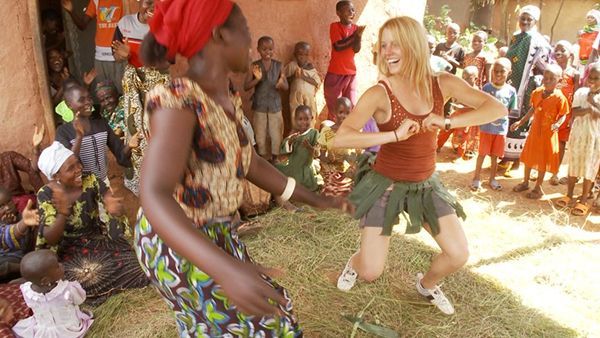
(411, 160)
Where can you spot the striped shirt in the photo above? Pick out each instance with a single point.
(94, 146)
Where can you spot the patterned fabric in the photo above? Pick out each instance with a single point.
(116, 118)
(336, 164)
(12, 294)
(211, 189)
(300, 165)
(541, 148)
(11, 163)
(479, 61)
(136, 83)
(221, 151)
(93, 253)
(584, 143)
(567, 86)
(201, 308)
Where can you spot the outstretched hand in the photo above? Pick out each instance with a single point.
(31, 217)
(257, 72)
(249, 292)
(121, 50)
(67, 5)
(59, 199)
(38, 135)
(89, 77)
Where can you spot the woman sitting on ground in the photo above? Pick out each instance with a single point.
(95, 254)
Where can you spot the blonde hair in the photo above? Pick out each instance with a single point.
(411, 38)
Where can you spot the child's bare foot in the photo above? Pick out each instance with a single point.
(554, 180)
(535, 194)
(521, 187)
(289, 206)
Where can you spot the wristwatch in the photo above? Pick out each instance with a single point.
(447, 124)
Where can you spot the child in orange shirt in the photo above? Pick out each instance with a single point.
(569, 83)
(549, 108)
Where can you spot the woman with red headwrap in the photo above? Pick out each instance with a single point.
(192, 180)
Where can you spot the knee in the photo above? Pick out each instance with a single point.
(458, 257)
(371, 273)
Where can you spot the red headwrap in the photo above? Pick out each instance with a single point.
(185, 26)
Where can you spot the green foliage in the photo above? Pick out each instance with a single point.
(436, 26)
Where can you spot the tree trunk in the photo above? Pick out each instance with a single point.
(556, 19)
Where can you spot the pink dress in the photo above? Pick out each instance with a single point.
(56, 314)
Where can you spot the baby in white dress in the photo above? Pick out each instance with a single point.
(55, 302)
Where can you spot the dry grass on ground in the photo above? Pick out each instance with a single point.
(532, 273)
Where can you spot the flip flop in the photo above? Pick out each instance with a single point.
(523, 186)
(495, 185)
(475, 185)
(534, 195)
(563, 202)
(554, 180)
(580, 209)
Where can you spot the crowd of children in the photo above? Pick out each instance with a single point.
(551, 101)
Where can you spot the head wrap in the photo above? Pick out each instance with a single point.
(532, 10)
(185, 26)
(52, 158)
(105, 85)
(595, 14)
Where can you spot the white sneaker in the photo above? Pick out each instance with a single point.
(435, 296)
(348, 277)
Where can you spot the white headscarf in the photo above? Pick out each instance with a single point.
(595, 14)
(532, 10)
(52, 158)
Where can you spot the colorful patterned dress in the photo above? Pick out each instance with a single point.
(526, 51)
(116, 118)
(210, 194)
(335, 164)
(480, 61)
(95, 254)
(541, 148)
(584, 142)
(299, 165)
(136, 83)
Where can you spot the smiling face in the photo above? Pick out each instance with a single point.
(56, 61)
(593, 80)
(590, 20)
(346, 13)
(477, 43)
(108, 99)
(550, 80)
(526, 22)
(391, 52)
(70, 173)
(302, 119)
(561, 55)
(80, 101)
(499, 74)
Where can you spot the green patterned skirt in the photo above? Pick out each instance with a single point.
(413, 200)
(200, 306)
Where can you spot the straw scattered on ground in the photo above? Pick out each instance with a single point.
(532, 273)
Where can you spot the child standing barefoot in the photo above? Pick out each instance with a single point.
(304, 80)
(569, 83)
(267, 79)
(584, 142)
(302, 148)
(345, 39)
(54, 301)
(334, 161)
(541, 152)
(492, 135)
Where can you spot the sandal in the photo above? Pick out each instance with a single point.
(563, 202)
(563, 181)
(523, 186)
(534, 194)
(475, 185)
(495, 185)
(554, 180)
(580, 209)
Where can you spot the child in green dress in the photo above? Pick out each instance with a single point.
(302, 148)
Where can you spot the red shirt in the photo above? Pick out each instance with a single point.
(342, 62)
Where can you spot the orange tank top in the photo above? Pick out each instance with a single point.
(411, 160)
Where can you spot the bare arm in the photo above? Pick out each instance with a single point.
(578, 111)
(485, 107)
